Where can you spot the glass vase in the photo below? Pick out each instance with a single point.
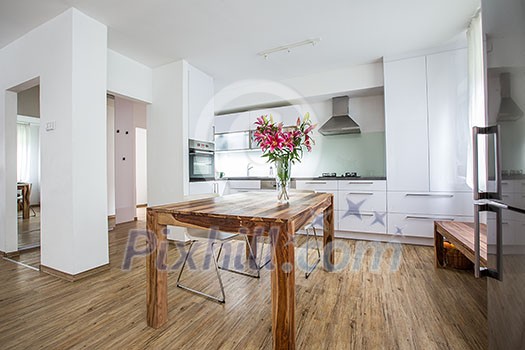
(283, 170)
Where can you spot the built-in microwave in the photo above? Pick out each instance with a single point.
(201, 161)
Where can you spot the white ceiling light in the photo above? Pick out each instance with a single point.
(288, 48)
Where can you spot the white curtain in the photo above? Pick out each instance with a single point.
(23, 152)
(476, 77)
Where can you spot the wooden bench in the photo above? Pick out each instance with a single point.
(461, 235)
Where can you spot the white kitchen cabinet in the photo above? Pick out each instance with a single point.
(362, 185)
(316, 185)
(207, 187)
(362, 201)
(362, 222)
(406, 125)
(448, 124)
(200, 105)
(238, 186)
(418, 225)
(287, 115)
(431, 203)
(233, 122)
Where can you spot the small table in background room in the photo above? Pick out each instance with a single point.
(25, 187)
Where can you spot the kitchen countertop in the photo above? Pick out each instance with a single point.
(363, 178)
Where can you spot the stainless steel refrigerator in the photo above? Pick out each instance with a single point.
(499, 179)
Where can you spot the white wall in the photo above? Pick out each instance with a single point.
(248, 93)
(167, 135)
(125, 202)
(69, 55)
(129, 78)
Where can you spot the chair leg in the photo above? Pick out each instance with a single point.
(209, 296)
(261, 257)
(310, 269)
(256, 275)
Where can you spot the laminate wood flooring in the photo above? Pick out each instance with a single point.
(364, 306)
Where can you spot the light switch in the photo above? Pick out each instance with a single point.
(50, 126)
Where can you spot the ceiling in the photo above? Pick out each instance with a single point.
(223, 37)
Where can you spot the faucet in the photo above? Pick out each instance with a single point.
(249, 166)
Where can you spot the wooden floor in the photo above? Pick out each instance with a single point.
(29, 229)
(415, 307)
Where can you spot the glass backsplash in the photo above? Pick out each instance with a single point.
(361, 153)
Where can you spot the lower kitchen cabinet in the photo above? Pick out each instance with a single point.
(418, 225)
(207, 187)
(369, 222)
(431, 203)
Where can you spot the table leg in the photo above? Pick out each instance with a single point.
(156, 273)
(328, 237)
(438, 248)
(26, 203)
(283, 288)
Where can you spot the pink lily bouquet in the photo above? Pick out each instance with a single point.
(284, 146)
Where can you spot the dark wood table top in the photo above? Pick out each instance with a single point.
(255, 205)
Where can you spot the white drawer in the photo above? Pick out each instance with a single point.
(362, 201)
(245, 184)
(362, 185)
(316, 185)
(511, 232)
(450, 203)
(509, 186)
(366, 222)
(418, 225)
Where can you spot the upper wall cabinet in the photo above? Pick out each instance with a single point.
(448, 125)
(287, 115)
(427, 128)
(406, 126)
(200, 105)
(233, 122)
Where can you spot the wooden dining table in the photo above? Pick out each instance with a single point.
(249, 213)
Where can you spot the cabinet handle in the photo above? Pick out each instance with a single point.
(360, 183)
(366, 214)
(428, 195)
(413, 217)
(361, 193)
(315, 182)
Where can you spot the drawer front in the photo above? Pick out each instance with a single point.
(245, 184)
(431, 203)
(362, 201)
(362, 185)
(316, 185)
(418, 225)
(364, 222)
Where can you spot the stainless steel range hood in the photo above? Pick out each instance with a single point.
(340, 122)
(508, 109)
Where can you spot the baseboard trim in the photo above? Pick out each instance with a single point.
(73, 278)
(10, 255)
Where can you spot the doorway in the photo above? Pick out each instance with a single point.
(126, 160)
(28, 177)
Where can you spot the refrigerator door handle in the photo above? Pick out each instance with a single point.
(496, 273)
(489, 130)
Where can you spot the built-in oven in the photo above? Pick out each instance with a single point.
(202, 161)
